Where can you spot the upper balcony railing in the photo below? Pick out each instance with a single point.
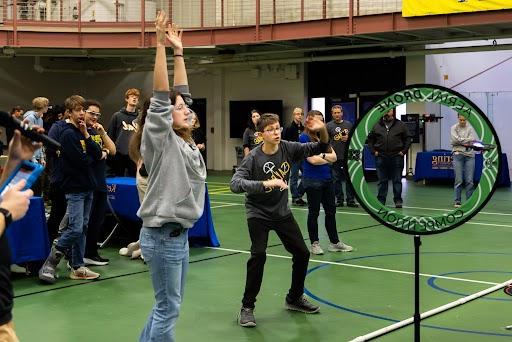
(189, 14)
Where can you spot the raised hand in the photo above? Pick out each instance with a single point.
(314, 124)
(174, 36)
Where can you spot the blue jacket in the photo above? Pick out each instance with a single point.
(54, 163)
(78, 156)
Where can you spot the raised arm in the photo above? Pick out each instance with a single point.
(160, 74)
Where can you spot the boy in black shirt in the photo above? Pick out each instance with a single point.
(263, 175)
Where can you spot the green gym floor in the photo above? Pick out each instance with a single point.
(359, 292)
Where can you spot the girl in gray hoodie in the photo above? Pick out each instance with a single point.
(176, 186)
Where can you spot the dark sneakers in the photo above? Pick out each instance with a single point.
(398, 204)
(352, 204)
(95, 261)
(246, 318)
(302, 305)
(299, 202)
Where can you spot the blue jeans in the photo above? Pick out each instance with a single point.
(464, 168)
(389, 168)
(296, 186)
(321, 192)
(338, 178)
(72, 241)
(167, 259)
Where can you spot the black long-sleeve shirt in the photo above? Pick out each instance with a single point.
(265, 203)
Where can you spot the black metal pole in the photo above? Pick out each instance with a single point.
(417, 318)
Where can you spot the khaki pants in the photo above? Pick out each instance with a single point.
(7, 333)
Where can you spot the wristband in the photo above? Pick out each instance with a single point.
(177, 55)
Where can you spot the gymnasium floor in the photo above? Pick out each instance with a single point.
(359, 292)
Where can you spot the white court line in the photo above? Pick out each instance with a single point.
(476, 223)
(405, 207)
(361, 266)
(430, 313)
(223, 206)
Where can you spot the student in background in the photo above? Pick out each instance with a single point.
(317, 179)
(251, 137)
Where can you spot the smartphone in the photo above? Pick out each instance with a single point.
(25, 170)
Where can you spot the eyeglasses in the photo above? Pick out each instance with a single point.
(181, 106)
(274, 130)
(93, 113)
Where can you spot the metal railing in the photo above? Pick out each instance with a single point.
(190, 14)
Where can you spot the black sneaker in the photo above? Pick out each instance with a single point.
(339, 204)
(302, 305)
(398, 204)
(246, 318)
(352, 204)
(95, 261)
(299, 202)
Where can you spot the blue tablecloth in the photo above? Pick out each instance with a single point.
(28, 237)
(368, 159)
(438, 165)
(122, 194)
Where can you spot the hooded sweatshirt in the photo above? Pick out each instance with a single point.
(176, 170)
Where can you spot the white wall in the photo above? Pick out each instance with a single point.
(484, 80)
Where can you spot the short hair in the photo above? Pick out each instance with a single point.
(132, 91)
(92, 102)
(73, 102)
(314, 112)
(336, 107)
(39, 103)
(299, 108)
(197, 124)
(16, 109)
(265, 120)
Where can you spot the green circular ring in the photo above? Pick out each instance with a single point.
(424, 225)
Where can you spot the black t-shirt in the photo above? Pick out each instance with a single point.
(6, 293)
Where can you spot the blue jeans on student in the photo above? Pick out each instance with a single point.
(296, 187)
(72, 241)
(389, 168)
(464, 168)
(338, 178)
(167, 259)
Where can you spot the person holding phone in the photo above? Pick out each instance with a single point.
(13, 206)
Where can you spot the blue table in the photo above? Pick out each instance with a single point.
(123, 196)
(438, 165)
(28, 237)
(368, 158)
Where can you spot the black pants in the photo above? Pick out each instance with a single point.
(321, 192)
(289, 233)
(59, 206)
(123, 166)
(96, 218)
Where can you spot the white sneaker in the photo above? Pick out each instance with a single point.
(83, 273)
(339, 247)
(316, 249)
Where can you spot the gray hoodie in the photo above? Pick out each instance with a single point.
(176, 170)
(460, 136)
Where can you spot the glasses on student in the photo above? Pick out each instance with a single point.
(93, 113)
(273, 130)
(181, 106)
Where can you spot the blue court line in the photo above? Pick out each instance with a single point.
(432, 282)
(366, 314)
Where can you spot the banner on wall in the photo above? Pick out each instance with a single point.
(413, 8)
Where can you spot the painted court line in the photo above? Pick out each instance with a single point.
(365, 214)
(361, 266)
(405, 207)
